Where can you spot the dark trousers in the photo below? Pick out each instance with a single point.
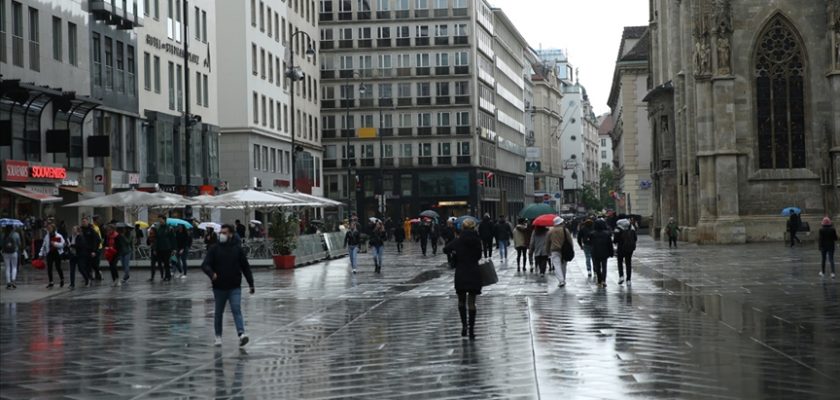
(434, 245)
(84, 267)
(163, 260)
(624, 260)
(399, 247)
(80, 263)
(601, 269)
(522, 253)
(542, 262)
(672, 240)
(828, 254)
(93, 264)
(112, 266)
(423, 244)
(794, 238)
(54, 260)
(488, 247)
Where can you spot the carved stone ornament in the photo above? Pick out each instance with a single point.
(724, 50)
(723, 17)
(702, 56)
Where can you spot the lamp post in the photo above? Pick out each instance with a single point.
(296, 75)
(347, 103)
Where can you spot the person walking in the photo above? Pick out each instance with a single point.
(125, 250)
(225, 264)
(539, 249)
(557, 238)
(399, 236)
(51, 249)
(407, 229)
(502, 232)
(240, 229)
(602, 250)
(520, 243)
(585, 242)
(12, 246)
(164, 244)
(434, 236)
(75, 245)
(424, 231)
(672, 230)
(111, 252)
(793, 225)
(447, 233)
(377, 241)
(625, 240)
(210, 238)
(97, 258)
(486, 234)
(151, 240)
(352, 239)
(183, 242)
(467, 252)
(87, 246)
(828, 242)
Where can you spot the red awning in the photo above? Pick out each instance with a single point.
(39, 197)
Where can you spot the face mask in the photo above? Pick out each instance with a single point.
(223, 237)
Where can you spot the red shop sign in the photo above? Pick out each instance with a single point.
(22, 171)
(15, 171)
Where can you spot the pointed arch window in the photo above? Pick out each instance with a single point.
(780, 100)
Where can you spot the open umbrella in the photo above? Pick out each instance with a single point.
(535, 210)
(545, 220)
(415, 220)
(791, 210)
(210, 225)
(141, 224)
(256, 222)
(430, 214)
(460, 220)
(176, 222)
(120, 225)
(14, 223)
(374, 220)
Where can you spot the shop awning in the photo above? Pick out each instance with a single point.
(74, 189)
(39, 197)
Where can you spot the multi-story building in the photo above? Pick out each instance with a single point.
(265, 134)
(631, 131)
(179, 96)
(411, 94)
(69, 75)
(544, 139)
(605, 153)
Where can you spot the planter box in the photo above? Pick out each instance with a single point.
(284, 262)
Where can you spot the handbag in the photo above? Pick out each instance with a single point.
(38, 264)
(487, 271)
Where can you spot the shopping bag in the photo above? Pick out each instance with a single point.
(488, 272)
(38, 264)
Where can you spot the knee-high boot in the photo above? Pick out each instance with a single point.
(472, 324)
(463, 312)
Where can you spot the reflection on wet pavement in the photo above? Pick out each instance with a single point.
(701, 322)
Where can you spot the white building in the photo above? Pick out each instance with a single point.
(605, 147)
(255, 113)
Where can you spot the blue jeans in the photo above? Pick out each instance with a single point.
(125, 259)
(183, 259)
(503, 245)
(234, 296)
(829, 254)
(352, 252)
(377, 254)
(587, 251)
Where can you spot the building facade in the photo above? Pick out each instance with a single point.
(631, 131)
(544, 139)
(258, 124)
(411, 94)
(605, 151)
(178, 96)
(744, 108)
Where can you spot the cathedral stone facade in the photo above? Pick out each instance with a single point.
(744, 109)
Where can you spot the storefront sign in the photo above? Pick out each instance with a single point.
(99, 179)
(23, 171)
(70, 182)
(169, 48)
(532, 154)
(133, 179)
(47, 190)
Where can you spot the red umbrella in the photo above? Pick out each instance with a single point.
(544, 220)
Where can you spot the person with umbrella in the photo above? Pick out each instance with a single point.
(12, 246)
(486, 233)
(87, 247)
(502, 232)
(399, 236)
(793, 224)
(424, 230)
(602, 250)
(557, 238)
(164, 244)
(673, 232)
(183, 242)
(467, 252)
(538, 248)
(521, 239)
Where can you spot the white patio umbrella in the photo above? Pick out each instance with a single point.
(295, 201)
(246, 198)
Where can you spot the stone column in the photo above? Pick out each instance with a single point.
(728, 228)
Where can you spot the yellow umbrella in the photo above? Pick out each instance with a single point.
(142, 224)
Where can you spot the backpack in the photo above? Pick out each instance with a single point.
(628, 241)
(567, 252)
(9, 245)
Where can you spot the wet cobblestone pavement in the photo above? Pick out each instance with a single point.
(741, 322)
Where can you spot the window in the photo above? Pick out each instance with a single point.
(253, 13)
(263, 109)
(262, 17)
(255, 104)
(463, 148)
(206, 91)
(403, 32)
(424, 120)
(180, 88)
(385, 62)
(203, 26)
(265, 158)
(405, 120)
(346, 62)
(147, 71)
(405, 150)
(603, 142)
(443, 119)
(780, 92)
(119, 77)
(276, 27)
(403, 60)
(364, 33)
(348, 152)
(262, 63)
(197, 23)
(171, 75)
(402, 5)
(383, 32)
(72, 44)
(441, 30)
(57, 33)
(385, 91)
(460, 29)
(422, 31)
(444, 149)
(131, 67)
(603, 154)
(109, 63)
(17, 34)
(421, 4)
(274, 160)
(34, 40)
(441, 4)
(330, 152)
(463, 118)
(404, 90)
(271, 113)
(462, 88)
(198, 97)
(270, 68)
(442, 89)
(366, 150)
(423, 89)
(406, 181)
(383, 5)
(157, 74)
(462, 59)
(257, 157)
(157, 9)
(268, 22)
(423, 60)
(424, 149)
(254, 69)
(442, 59)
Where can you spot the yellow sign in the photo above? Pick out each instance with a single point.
(367, 133)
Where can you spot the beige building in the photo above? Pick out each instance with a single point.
(745, 112)
(631, 131)
(546, 115)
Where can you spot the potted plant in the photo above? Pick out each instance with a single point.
(284, 234)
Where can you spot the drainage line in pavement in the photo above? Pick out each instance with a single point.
(533, 348)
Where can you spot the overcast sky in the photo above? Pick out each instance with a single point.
(589, 29)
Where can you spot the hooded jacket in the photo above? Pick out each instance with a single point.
(229, 263)
(485, 229)
(521, 236)
(601, 241)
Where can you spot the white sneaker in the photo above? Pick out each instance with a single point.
(561, 284)
(184, 276)
(821, 274)
(620, 281)
(832, 275)
(218, 341)
(243, 340)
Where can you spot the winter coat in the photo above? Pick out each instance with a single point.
(229, 263)
(399, 233)
(828, 238)
(164, 238)
(448, 234)
(183, 240)
(520, 236)
(122, 244)
(601, 242)
(377, 238)
(625, 239)
(52, 244)
(502, 231)
(352, 238)
(210, 239)
(486, 229)
(538, 245)
(672, 229)
(556, 237)
(467, 251)
(584, 238)
(87, 242)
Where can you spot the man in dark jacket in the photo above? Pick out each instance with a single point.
(585, 242)
(625, 239)
(352, 240)
(183, 241)
(793, 224)
(164, 244)
(602, 250)
(424, 230)
(434, 236)
(502, 232)
(486, 233)
(240, 229)
(87, 249)
(225, 264)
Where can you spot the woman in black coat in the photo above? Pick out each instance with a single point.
(466, 250)
(602, 250)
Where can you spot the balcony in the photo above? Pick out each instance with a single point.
(462, 70)
(345, 44)
(348, 163)
(383, 15)
(363, 15)
(383, 42)
(461, 40)
(443, 130)
(328, 134)
(441, 12)
(463, 160)
(112, 14)
(345, 16)
(348, 103)
(462, 130)
(460, 12)
(421, 41)
(345, 133)
(386, 102)
(330, 163)
(388, 162)
(421, 13)
(367, 102)
(404, 132)
(444, 160)
(368, 162)
(327, 74)
(423, 71)
(402, 14)
(326, 45)
(424, 161)
(325, 17)
(385, 72)
(442, 41)
(327, 103)
(462, 99)
(403, 42)
(365, 73)
(424, 101)
(424, 131)
(406, 71)
(406, 161)
(443, 100)
(345, 73)
(365, 43)
(404, 102)
(441, 70)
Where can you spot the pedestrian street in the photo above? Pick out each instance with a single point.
(716, 322)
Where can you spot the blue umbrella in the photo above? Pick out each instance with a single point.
(14, 223)
(463, 218)
(176, 222)
(791, 210)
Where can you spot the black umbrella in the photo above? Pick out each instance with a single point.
(430, 214)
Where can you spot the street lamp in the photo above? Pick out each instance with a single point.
(347, 102)
(296, 75)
